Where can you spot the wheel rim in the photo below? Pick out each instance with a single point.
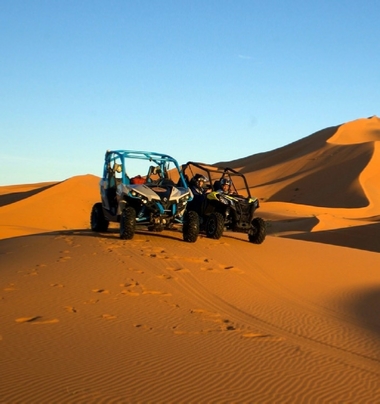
(211, 226)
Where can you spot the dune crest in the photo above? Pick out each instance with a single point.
(358, 131)
(331, 168)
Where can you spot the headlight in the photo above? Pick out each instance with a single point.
(255, 202)
(184, 199)
(135, 194)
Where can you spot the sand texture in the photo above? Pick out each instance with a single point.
(89, 318)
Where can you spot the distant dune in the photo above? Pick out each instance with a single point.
(330, 168)
(91, 318)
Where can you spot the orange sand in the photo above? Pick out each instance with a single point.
(90, 318)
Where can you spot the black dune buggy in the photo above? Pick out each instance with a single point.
(156, 201)
(218, 211)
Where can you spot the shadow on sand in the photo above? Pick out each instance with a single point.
(13, 197)
(112, 234)
(364, 237)
(365, 307)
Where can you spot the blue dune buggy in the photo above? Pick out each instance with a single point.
(156, 200)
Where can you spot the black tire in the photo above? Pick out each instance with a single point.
(258, 231)
(190, 227)
(98, 221)
(127, 223)
(215, 225)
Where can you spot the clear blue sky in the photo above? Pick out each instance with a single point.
(204, 80)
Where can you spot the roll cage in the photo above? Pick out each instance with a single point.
(239, 184)
(115, 162)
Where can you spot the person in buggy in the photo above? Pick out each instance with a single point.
(197, 186)
(225, 186)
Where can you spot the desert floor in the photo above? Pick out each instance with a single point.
(89, 318)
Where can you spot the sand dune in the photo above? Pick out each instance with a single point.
(90, 318)
(40, 208)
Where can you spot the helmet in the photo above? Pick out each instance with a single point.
(198, 178)
(201, 178)
(225, 181)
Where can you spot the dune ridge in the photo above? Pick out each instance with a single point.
(90, 318)
(53, 207)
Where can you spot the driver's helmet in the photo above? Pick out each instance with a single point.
(197, 179)
(225, 181)
(200, 179)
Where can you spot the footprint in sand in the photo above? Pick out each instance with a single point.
(144, 327)
(27, 319)
(41, 265)
(10, 288)
(135, 270)
(158, 255)
(231, 268)
(155, 292)
(91, 301)
(130, 284)
(164, 276)
(63, 259)
(129, 292)
(69, 240)
(229, 326)
(101, 291)
(70, 309)
(178, 269)
(36, 320)
(108, 316)
(207, 269)
(223, 324)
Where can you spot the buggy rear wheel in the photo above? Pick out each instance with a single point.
(190, 227)
(97, 219)
(127, 223)
(258, 231)
(215, 225)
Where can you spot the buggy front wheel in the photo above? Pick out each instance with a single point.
(215, 225)
(258, 231)
(190, 228)
(127, 223)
